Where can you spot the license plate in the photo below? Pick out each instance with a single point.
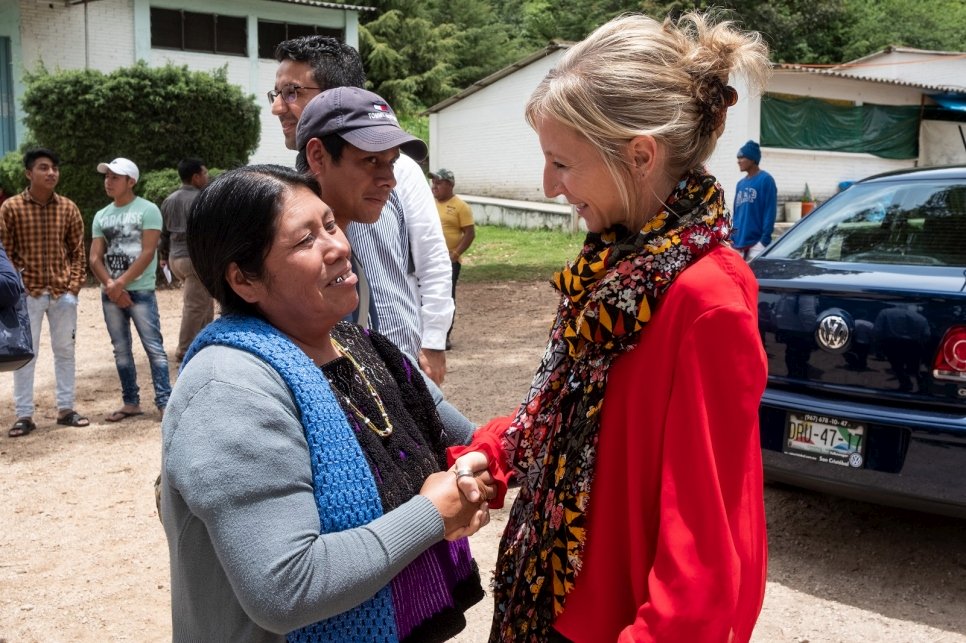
(825, 439)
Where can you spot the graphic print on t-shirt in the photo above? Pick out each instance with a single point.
(122, 235)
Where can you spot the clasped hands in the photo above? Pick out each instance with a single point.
(116, 293)
(461, 495)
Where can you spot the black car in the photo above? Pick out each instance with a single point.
(862, 310)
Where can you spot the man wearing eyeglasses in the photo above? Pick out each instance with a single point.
(403, 254)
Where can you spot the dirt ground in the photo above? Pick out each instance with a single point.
(84, 557)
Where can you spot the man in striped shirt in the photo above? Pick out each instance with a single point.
(44, 235)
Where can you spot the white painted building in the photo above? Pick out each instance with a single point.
(107, 34)
(481, 133)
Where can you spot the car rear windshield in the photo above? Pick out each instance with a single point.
(895, 222)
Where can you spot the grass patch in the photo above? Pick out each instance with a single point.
(509, 254)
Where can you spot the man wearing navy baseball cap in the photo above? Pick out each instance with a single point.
(349, 139)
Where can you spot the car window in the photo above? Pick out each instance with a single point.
(913, 222)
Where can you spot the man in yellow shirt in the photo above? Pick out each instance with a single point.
(457, 220)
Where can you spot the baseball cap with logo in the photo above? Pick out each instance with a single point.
(122, 166)
(361, 118)
(443, 175)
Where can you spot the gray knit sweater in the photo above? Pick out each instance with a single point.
(247, 560)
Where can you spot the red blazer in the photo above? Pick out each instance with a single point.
(676, 547)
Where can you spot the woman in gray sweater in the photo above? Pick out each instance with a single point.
(302, 487)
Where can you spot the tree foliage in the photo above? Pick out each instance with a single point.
(154, 116)
(420, 52)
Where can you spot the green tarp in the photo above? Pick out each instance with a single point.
(813, 124)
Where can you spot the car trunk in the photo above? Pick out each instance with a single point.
(859, 330)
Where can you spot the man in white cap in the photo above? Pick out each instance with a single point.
(124, 259)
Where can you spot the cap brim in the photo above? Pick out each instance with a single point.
(103, 167)
(378, 138)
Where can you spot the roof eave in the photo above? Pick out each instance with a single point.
(956, 89)
(497, 75)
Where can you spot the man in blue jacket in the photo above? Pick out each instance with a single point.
(756, 202)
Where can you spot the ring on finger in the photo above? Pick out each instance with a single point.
(462, 473)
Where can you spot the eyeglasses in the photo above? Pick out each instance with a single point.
(289, 93)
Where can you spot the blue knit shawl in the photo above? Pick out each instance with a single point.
(345, 491)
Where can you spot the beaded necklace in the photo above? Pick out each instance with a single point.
(372, 391)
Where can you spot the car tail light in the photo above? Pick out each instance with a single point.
(950, 363)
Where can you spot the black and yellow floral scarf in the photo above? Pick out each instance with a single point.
(610, 293)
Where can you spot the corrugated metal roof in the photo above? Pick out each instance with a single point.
(864, 60)
(311, 3)
(497, 75)
(328, 5)
(821, 71)
(886, 81)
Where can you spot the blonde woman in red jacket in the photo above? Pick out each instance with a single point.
(640, 515)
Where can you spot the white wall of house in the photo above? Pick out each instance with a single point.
(944, 141)
(486, 141)
(116, 33)
(54, 35)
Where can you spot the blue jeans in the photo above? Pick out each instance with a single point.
(144, 313)
(61, 315)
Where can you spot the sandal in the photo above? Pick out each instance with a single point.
(21, 427)
(121, 414)
(73, 418)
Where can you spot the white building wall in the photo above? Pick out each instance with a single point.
(54, 34)
(823, 171)
(236, 66)
(942, 143)
(829, 87)
(485, 139)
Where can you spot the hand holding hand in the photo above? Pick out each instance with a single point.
(114, 290)
(124, 300)
(460, 516)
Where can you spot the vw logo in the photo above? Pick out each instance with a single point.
(833, 333)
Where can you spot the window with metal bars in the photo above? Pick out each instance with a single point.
(203, 32)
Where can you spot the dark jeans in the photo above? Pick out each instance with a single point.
(144, 314)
